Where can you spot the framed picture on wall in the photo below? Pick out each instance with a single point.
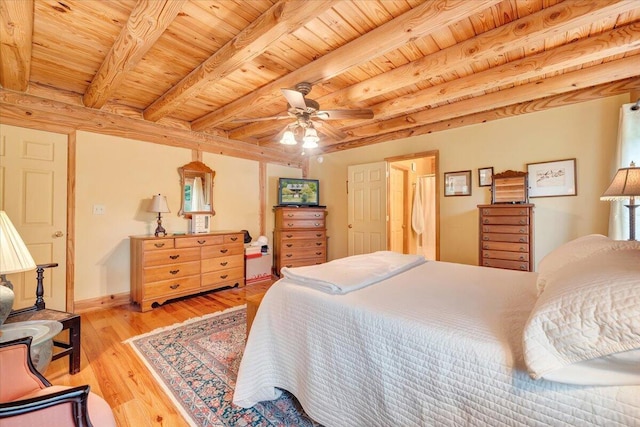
(552, 179)
(484, 177)
(457, 183)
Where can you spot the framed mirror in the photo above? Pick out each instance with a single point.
(196, 179)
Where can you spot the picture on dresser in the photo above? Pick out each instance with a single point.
(552, 179)
(457, 183)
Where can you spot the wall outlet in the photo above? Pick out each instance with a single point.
(98, 209)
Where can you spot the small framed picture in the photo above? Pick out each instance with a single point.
(552, 179)
(484, 177)
(457, 183)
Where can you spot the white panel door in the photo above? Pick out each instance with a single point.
(367, 208)
(33, 192)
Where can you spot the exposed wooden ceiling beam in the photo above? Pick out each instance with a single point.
(582, 95)
(515, 35)
(148, 20)
(16, 108)
(417, 22)
(281, 19)
(16, 36)
(568, 82)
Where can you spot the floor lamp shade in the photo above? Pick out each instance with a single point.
(14, 258)
(625, 185)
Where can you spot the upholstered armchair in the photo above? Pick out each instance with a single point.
(28, 399)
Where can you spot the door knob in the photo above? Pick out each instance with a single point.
(58, 234)
(350, 225)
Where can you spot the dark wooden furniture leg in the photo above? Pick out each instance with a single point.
(71, 348)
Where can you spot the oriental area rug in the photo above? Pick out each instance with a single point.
(196, 363)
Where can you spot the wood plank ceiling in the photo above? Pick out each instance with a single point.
(183, 72)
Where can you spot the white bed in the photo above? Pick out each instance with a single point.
(440, 344)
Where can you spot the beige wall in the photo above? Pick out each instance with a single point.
(585, 131)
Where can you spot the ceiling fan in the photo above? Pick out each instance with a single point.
(304, 111)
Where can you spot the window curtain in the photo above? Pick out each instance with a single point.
(628, 150)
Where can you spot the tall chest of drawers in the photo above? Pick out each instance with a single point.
(506, 236)
(163, 268)
(300, 237)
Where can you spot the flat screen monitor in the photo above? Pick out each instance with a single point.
(298, 192)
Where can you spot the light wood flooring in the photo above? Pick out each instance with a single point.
(113, 370)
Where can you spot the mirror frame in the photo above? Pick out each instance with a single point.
(191, 171)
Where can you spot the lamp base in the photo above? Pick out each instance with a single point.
(6, 298)
(160, 231)
(632, 220)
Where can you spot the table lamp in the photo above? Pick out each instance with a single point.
(159, 205)
(626, 185)
(14, 258)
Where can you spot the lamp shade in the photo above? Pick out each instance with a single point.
(14, 255)
(159, 204)
(288, 138)
(624, 185)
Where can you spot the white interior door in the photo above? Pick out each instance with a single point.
(33, 192)
(367, 205)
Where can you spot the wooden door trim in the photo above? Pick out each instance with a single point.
(71, 221)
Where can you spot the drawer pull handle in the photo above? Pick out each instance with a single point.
(289, 245)
(224, 276)
(290, 215)
(158, 245)
(485, 212)
(174, 256)
(234, 238)
(176, 286)
(522, 221)
(521, 240)
(318, 235)
(523, 249)
(485, 247)
(202, 242)
(289, 236)
(522, 230)
(289, 265)
(224, 251)
(522, 267)
(522, 212)
(486, 220)
(317, 224)
(318, 243)
(289, 225)
(174, 271)
(288, 255)
(317, 215)
(318, 253)
(486, 263)
(485, 238)
(486, 255)
(224, 264)
(521, 258)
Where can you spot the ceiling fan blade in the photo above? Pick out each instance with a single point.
(294, 98)
(344, 114)
(260, 119)
(330, 131)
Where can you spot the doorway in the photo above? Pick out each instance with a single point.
(413, 226)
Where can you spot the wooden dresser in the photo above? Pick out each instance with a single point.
(506, 236)
(164, 268)
(300, 237)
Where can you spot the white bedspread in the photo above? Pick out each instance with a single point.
(437, 345)
(349, 274)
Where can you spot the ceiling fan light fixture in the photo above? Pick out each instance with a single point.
(288, 138)
(310, 138)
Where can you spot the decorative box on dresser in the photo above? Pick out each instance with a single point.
(300, 237)
(506, 236)
(164, 268)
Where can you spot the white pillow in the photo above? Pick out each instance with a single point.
(574, 250)
(590, 309)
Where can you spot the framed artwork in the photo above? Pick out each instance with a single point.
(552, 179)
(484, 177)
(457, 183)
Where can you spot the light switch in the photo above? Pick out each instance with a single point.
(98, 209)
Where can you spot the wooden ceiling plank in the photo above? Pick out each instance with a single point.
(417, 22)
(281, 19)
(148, 20)
(21, 106)
(611, 71)
(581, 95)
(533, 28)
(16, 33)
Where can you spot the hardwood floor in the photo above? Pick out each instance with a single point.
(112, 369)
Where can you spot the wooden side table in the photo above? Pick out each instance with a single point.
(253, 302)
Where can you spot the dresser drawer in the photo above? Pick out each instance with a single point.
(299, 214)
(506, 220)
(222, 276)
(222, 250)
(512, 256)
(171, 256)
(505, 211)
(501, 246)
(223, 262)
(157, 244)
(167, 272)
(233, 238)
(302, 223)
(167, 287)
(298, 235)
(299, 244)
(290, 263)
(319, 253)
(511, 229)
(511, 265)
(197, 241)
(498, 237)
